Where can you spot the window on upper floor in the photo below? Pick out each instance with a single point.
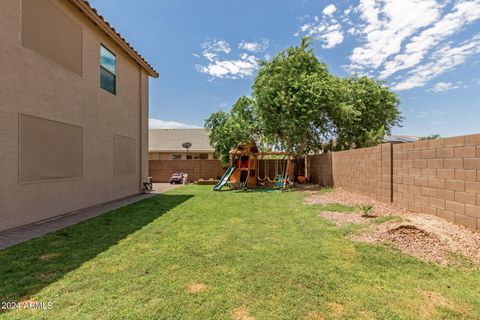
(108, 66)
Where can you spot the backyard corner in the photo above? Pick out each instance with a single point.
(173, 160)
(192, 253)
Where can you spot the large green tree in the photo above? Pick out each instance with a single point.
(227, 129)
(293, 94)
(298, 106)
(373, 112)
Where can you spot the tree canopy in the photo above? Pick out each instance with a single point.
(298, 106)
(430, 137)
(228, 129)
(371, 112)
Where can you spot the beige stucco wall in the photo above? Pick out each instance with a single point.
(33, 85)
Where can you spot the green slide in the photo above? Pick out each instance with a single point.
(223, 181)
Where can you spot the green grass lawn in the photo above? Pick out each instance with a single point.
(197, 254)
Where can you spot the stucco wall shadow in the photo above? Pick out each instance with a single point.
(32, 265)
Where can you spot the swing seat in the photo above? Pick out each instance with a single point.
(279, 181)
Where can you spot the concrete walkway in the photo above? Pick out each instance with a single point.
(18, 235)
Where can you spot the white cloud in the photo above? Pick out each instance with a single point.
(445, 86)
(329, 10)
(333, 37)
(464, 12)
(353, 31)
(330, 35)
(217, 46)
(409, 42)
(223, 67)
(161, 124)
(244, 66)
(444, 59)
(387, 24)
(345, 17)
(211, 48)
(326, 29)
(254, 46)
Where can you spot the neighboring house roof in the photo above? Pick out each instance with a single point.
(399, 139)
(171, 140)
(91, 13)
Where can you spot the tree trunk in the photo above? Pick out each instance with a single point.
(306, 168)
(294, 172)
(303, 144)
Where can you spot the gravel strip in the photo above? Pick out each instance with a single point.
(353, 199)
(410, 240)
(424, 236)
(459, 239)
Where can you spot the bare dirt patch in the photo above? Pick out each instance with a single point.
(435, 298)
(49, 256)
(337, 309)
(433, 301)
(312, 315)
(46, 275)
(241, 313)
(196, 287)
(424, 236)
(342, 219)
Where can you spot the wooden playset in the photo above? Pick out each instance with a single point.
(244, 168)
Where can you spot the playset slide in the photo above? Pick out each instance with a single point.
(223, 181)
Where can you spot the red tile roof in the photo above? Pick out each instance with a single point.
(105, 26)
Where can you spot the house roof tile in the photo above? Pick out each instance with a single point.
(167, 140)
(97, 19)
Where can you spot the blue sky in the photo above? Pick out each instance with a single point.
(205, 51)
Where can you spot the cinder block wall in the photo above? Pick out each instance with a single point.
(320, 167)
(440, 177)
(161, 170)
(366, 171)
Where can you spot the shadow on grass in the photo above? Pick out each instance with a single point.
(28, 267)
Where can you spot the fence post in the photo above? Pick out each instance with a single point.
(391, 172)
(332, 183)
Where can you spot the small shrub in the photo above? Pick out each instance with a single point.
(366, 209)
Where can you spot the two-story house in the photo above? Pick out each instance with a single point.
(73, 111)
